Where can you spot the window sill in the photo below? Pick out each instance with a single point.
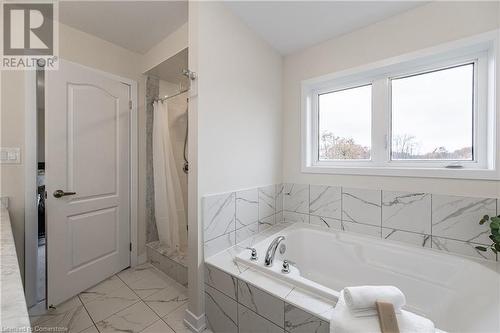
(478, 174)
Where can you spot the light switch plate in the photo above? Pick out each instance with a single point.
(10, 155)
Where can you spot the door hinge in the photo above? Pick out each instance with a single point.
(130, 247)
(130, 105)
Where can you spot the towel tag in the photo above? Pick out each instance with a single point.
(387, 317)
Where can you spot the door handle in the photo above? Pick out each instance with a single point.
(61, 193)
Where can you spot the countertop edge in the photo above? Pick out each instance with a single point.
(13, 310)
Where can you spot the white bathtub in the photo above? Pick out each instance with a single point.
(459, 294)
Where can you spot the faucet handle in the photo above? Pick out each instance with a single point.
(286, 267)
(254, 253)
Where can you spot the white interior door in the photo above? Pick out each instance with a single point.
(87, 153)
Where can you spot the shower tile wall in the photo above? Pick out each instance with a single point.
(152, 91)
(442, 222)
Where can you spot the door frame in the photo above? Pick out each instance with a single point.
(30, 179)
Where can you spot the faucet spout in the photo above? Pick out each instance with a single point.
(271, 250)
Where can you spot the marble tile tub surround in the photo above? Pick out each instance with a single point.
(230, 218)
(234, 304)
(441, 222)
(272, 304)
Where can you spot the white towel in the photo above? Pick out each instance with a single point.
(343, 321)
(361, 300)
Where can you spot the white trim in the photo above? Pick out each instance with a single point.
(134, 174)
(406, 172)
(479, 134)
(30, 189)
(481, 49)
(195, 324)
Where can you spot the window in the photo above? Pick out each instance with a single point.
(345, 124)
(432, 115)
(429, 116)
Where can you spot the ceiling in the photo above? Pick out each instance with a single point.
(290, 26)
(134, 25)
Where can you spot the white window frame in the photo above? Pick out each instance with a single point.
(481, 50)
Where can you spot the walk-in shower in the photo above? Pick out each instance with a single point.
(167, 97)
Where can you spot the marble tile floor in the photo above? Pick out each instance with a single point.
(140, 299)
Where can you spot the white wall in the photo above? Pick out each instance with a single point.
(12, 135)
(239, 100)
(239, 114)
(422, 27)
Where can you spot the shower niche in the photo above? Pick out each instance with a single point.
(167, 165)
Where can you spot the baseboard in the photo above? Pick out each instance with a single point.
(194, 323)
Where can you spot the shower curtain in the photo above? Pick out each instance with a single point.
(169, 206)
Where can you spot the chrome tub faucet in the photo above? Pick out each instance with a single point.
(271, 250)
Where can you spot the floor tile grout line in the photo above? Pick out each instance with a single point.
(154, 322)
(128, 306)
(140, 299)
(50, 316)
(88, 313)
(95, 324)
(173, 310)
(163, 319)
(41, 322)
(160, 317)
